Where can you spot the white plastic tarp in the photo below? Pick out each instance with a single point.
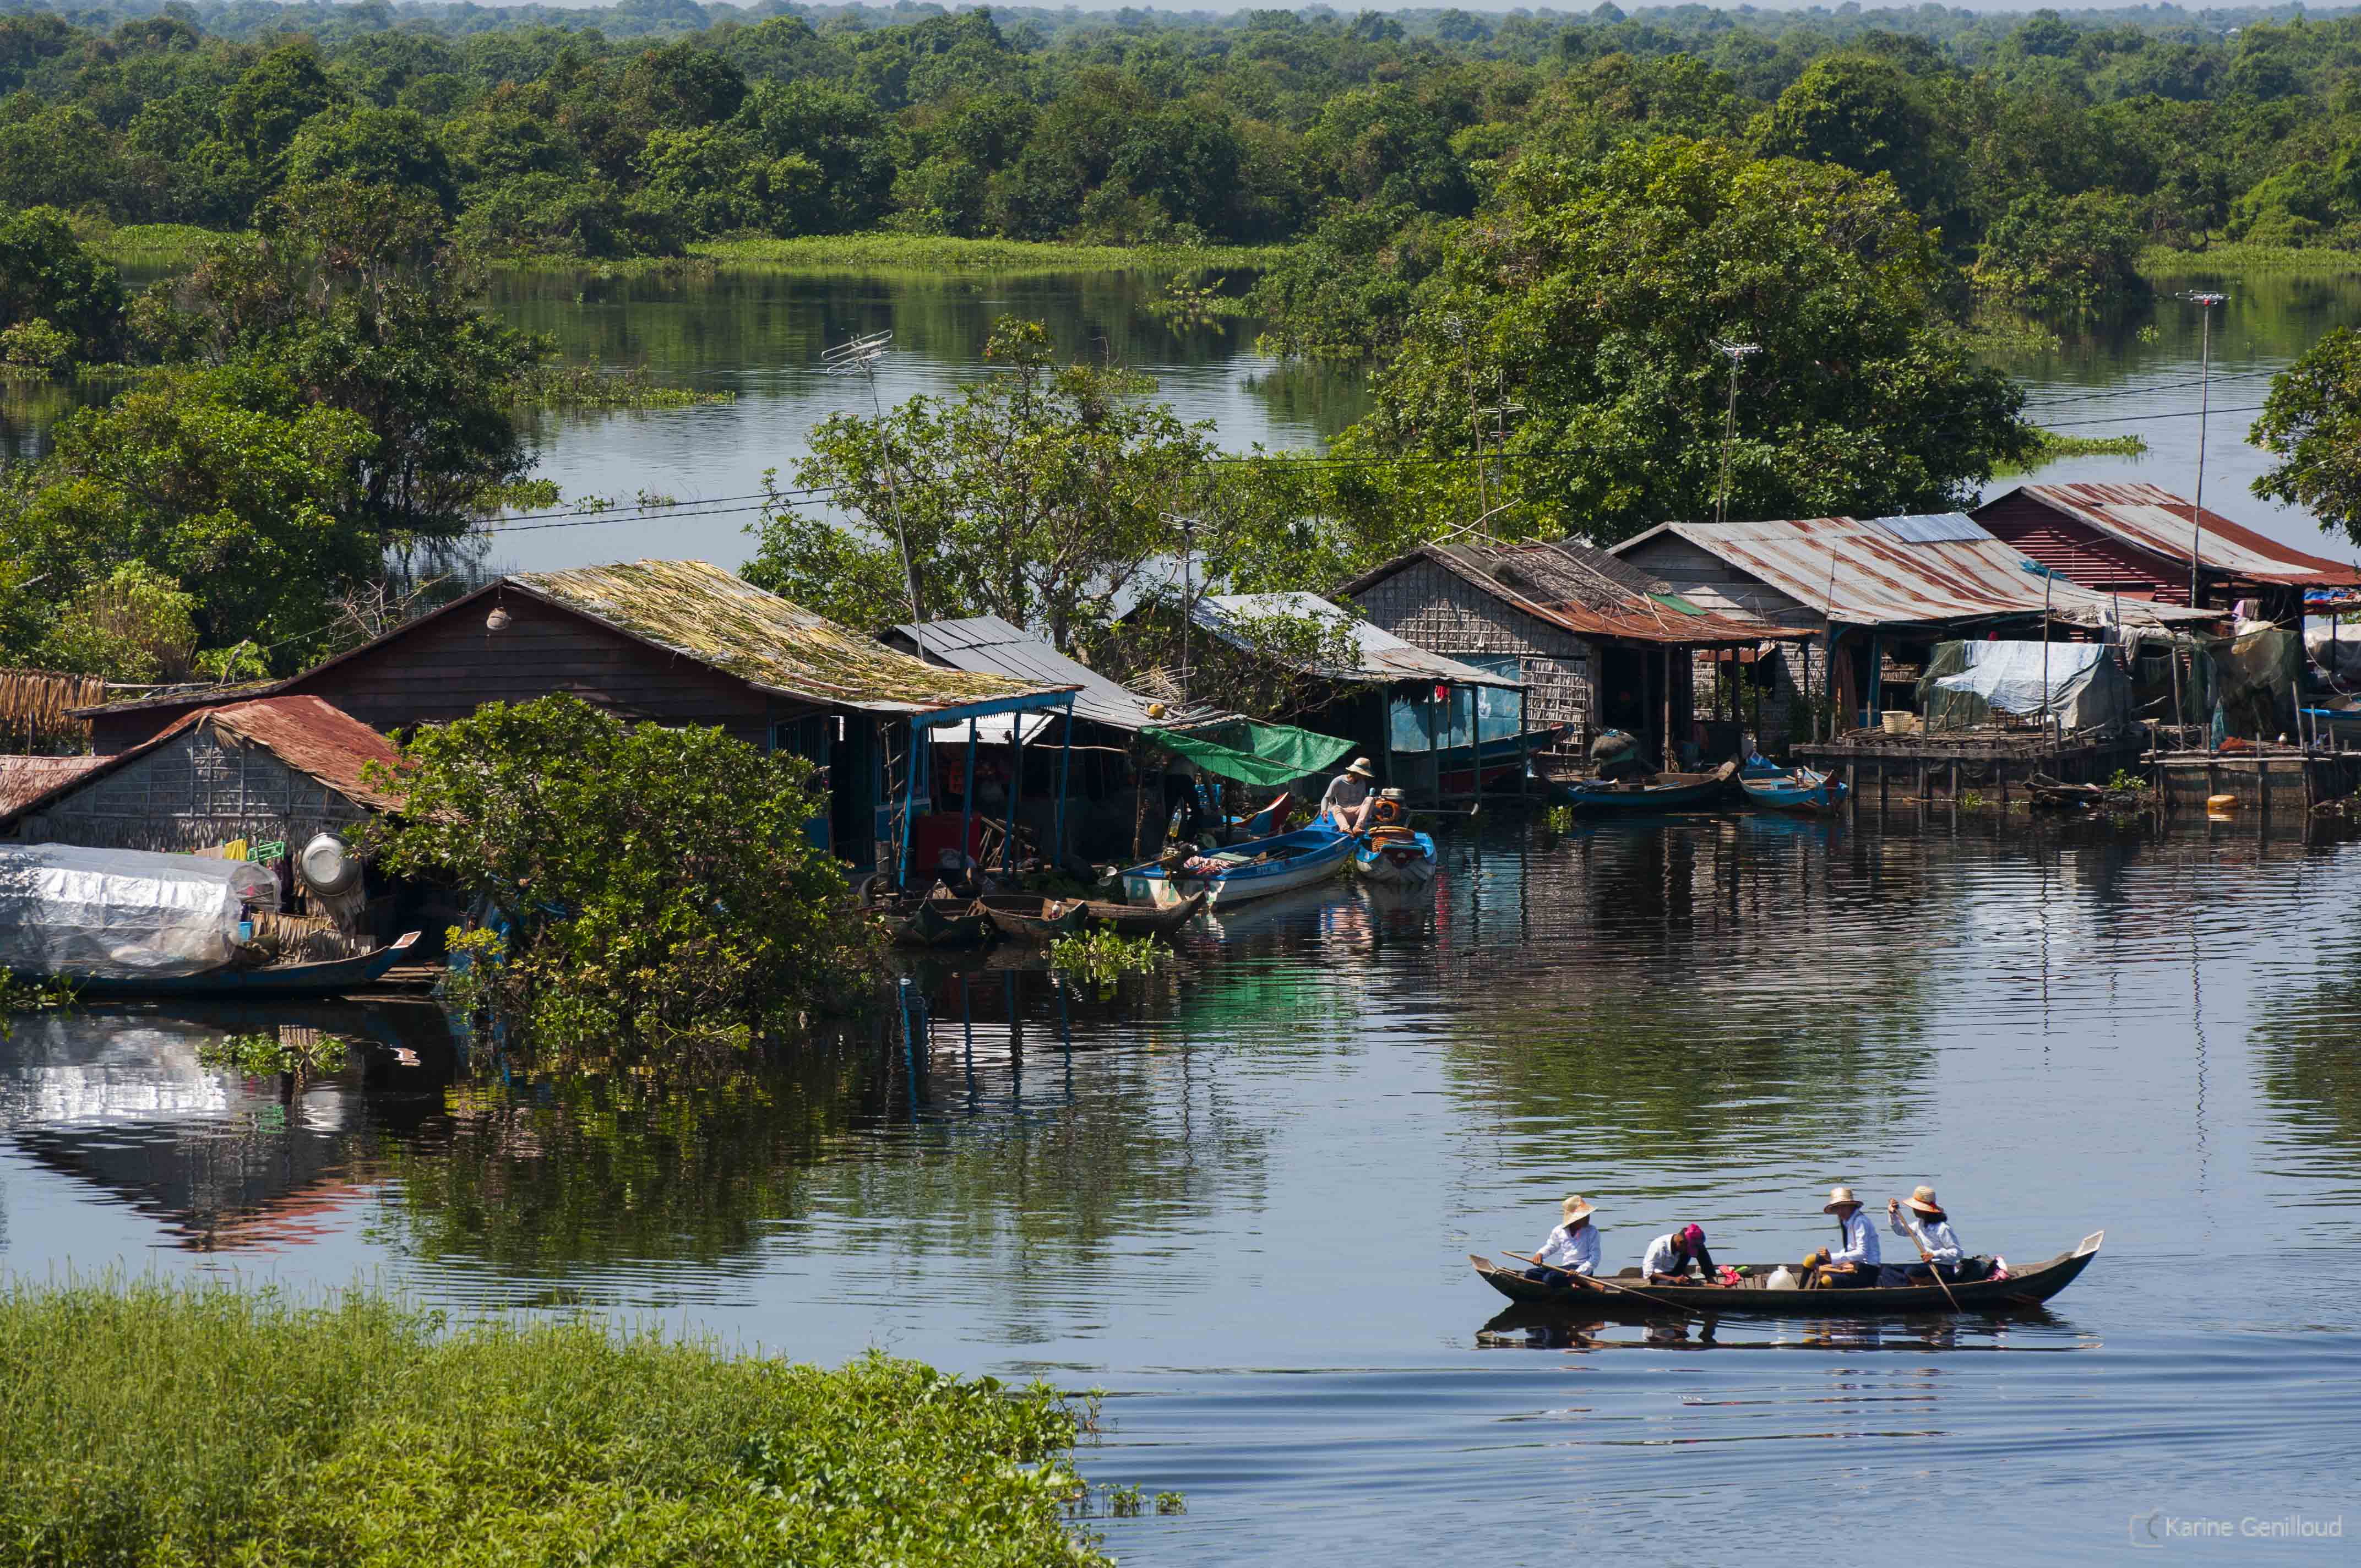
(66, 910)
(2083, 688)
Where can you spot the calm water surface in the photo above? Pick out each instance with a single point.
(1238, 1194)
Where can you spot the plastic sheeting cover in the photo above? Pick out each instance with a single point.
(1966, 681)
(66, 910)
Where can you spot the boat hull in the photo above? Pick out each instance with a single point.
(325, 978)
(2020, 1292)
(1402, 861)
(1668, 792)
(1801, 789)
(1319, 854)
(1146, 920)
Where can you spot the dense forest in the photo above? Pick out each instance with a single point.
(2045, 150)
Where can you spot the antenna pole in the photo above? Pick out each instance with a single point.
(860, 357)
(2204, 303)
(1737, 353)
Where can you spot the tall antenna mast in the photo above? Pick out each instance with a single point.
(860, 357)
(1187, 524)
(2204, 303)
(1738, 353)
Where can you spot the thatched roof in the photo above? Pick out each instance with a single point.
(702, 612)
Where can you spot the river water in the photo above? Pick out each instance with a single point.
(1238, 1195)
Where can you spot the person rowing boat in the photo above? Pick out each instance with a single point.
(1924, 1222)
(1572, 1248)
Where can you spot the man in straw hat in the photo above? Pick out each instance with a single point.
(1346, 805)
(1852, 1264)
(1924, 1221)
(1572, 1248)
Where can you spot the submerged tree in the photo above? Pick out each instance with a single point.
(655, 882)
(1040, 496)
(1577, 333)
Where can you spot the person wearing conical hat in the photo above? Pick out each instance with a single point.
(1572, 1248)
(1923, 1220)
(1346, 806)
(1853, 1262)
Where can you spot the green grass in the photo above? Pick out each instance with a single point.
(154, 245)
(168, 1424)
(2053, 446)
(2316, 261)
(929, 253)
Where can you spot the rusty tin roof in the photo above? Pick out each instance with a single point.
(2152, 519)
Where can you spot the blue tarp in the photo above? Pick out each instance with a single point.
(1472, 715)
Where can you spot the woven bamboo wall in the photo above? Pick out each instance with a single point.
(1444, 613)
(190, 793)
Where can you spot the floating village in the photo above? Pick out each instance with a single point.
(2064, 647)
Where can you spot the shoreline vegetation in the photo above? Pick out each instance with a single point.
(155, 1421)
(888, 252)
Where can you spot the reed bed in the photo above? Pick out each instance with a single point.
(156, 1423)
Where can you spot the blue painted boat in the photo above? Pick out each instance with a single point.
(1395, 857)
(1243, 872)
(1663, 791)
(1795, 789)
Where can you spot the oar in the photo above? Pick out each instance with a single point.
(1592, 1279)
(1937, 1270)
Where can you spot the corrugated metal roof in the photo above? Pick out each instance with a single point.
(312, 737)
(1933, 527)
(24, 780)
(1381, 656)
(990, 645)
(2151, 517)
(1584, 590)
(1866, 574)
(701, 612)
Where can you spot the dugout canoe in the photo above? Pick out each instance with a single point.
(2026, 1286)
(1032, 917)
(1145, 919)
(1664, 792)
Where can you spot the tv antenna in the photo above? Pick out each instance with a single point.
(861, 357)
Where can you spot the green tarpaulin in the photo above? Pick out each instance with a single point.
(1266, 754)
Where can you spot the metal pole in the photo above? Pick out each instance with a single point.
(967, 799)
(2205, 303)
(861, 357)
(1015, 790)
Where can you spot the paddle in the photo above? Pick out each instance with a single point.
(1603, 1285)
(1937, 1270)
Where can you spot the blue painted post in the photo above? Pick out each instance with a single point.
(1065, 761)
(1015, 790)
(910, 801)
(967, 798)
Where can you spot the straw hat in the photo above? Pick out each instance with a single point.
(1574, 1209)
(1839, 1198)
(1360, 769)
(1922, 1199)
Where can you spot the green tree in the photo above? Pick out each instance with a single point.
(2311, 424)
(1039, 495)
(2076, 254)
(227, 483)
(1346, 289)
(133, 624)
(389, 149)
(1869, 115)
(660, 880)
(48, 275)
(271, 101)
(1594, 296)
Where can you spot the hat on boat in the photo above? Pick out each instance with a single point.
(1691, 1235)
(1360, 768)
(1576, 1207)
(1922, 1199)
(1839, 1198)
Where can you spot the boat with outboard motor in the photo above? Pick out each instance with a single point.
(1629, 1294)
(1395, 856)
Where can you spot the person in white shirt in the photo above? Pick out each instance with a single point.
(1853, 1262)
(1346, 806)
(1668, 1257)
(1924, 1223)
(1572, 1248)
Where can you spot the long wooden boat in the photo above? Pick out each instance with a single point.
(1032, 917)
(2024, 1287)
(1664, 792)
(1145, 919)
(1243, 872)
(1797, 789)
(1395, 857)
(329, 977)
(935, 923)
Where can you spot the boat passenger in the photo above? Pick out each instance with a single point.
(1852, 1264)
(1668, 1257)
(1572, 1248)
(1346, 806)
(1924, 1221)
